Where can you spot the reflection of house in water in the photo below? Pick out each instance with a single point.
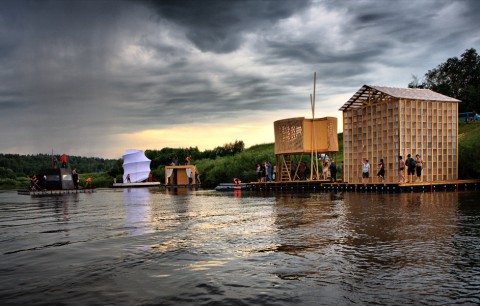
(385, 122)
(137, 211)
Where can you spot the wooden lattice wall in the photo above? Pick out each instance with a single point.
(300, 135)
(297, 137)
(396, 126)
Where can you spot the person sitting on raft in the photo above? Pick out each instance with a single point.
(88, 183)
(236, 181)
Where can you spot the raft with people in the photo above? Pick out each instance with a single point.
(236, 185)
(56, 181)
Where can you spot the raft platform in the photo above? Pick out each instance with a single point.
(136, 185)
(232, 186)
(296, 186)
(191, 186)
(46, 193)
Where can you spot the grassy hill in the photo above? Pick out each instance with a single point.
(468, 150)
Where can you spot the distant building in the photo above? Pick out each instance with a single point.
(387, 122)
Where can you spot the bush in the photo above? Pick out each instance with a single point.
(7, 173)
(468, 148)
(8, 183)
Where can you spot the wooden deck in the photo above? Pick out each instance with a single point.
(46, 193)
(196, 186)
(371, 187)
(136, 185)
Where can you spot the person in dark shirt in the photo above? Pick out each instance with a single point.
(381, 170)
(333, 172)
(411, 166)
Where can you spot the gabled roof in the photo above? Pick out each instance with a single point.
(369, 93)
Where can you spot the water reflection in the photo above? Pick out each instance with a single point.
(143, 246)
(137, 210)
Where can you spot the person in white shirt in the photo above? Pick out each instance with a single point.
(365, 170)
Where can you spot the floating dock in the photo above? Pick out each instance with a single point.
(136, 185)
(44, 193)
(191, 186)
(296, 186)
(232, 186)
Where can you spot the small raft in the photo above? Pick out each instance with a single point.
(232, 187)
(136, 185)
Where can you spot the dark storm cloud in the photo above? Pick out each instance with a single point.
(218, 26)
(75, 72)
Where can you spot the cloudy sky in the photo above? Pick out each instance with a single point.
(97, 77)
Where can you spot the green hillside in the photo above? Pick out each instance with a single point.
(468, 150)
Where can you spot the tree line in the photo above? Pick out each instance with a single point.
(458, 78)
(15, 165)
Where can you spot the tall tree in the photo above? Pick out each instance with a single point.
(457, 78)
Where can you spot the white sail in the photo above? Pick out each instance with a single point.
(137, 165)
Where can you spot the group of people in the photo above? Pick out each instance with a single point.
(63, 159)
(266, 172)
(34, 183)
(40, 183)
(173, 160)
(414, 167)
(332, 169)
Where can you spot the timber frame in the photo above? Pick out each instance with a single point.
(180, 175)
(297, 138)
(385, 122)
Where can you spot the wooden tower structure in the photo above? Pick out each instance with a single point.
(385, 122)
(299, 137)
(293, 142)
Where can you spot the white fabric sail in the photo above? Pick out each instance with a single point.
(137, 165)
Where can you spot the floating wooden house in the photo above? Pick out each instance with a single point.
(299, 137)
(180, 175)
(384, 122)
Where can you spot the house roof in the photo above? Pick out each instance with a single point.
(368, 93)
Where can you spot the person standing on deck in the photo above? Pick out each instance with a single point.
(128, 178)
(302, 171)
(381, 170)
(333, 172)
(325, 171)
(75, 178)
(259, 173)
(419, 167)
(269, 171)
(263, 168)
(63, 158)
(365, 171)
(401, 170)
(197, 177)
(411, 165)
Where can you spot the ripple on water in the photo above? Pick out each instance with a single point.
(170, 248)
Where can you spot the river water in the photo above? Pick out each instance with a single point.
(187, 247)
